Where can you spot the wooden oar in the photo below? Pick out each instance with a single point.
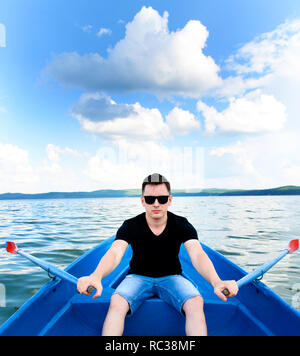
(293, 246)
(12, 248)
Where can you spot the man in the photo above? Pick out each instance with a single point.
(155, 237)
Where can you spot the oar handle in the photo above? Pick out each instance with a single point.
(226, 292)
(90, 289)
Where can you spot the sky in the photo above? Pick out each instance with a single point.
(98, 95)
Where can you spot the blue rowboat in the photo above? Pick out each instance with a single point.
(57, 308)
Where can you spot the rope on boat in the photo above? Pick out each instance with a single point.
(258, 279)
(52, 277)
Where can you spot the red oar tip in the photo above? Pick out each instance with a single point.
(11, 247)
(293, 246)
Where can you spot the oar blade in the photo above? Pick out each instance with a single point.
(293, 245)
(11, 247)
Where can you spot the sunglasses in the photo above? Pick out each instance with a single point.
(150, 199)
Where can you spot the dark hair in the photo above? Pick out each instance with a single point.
(155, 179)
(167, 185)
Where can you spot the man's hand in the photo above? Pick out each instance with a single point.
(85, 282)
(230, 285)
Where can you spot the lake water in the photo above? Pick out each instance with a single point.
(247, 230)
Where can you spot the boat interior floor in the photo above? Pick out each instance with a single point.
(83, 315)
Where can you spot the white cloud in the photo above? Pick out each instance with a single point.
(263, 96)
(141, 124)
(264, 161)
(149, 58)
(275, 51)
(271, 64)
(237, 86)
(124, 164)
(96, 107)
(255, 112)
(242, 156)
(54, 153)
(2, 35)
(270, 61)
(181, 122)
(291, 174)
(62, 170)
(104, 31)
(101, 115)
(87, 28)
(3, 109)
(15, 168)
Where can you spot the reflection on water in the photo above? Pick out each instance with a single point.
(247, 230)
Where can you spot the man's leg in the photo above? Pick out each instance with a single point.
(195, 324)
(129, 295)
(179, 292)
(114, 321)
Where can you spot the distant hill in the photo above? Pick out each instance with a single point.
(110, 193)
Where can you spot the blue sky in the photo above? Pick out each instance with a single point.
(98, 95)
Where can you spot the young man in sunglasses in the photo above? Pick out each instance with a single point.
(155, 237)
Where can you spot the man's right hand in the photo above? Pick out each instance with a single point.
(85, 282)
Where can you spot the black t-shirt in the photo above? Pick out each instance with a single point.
(156, 256)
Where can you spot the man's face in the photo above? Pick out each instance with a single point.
(156, 210)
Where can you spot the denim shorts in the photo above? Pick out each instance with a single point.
(174, 290)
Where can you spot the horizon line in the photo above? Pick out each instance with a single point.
(187, 190)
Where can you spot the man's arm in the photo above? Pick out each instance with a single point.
(111, 259)
(107, 264)
(205, 267)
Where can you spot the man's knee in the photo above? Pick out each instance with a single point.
(193, 305)
(119, 304)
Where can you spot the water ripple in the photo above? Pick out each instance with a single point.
(247, 230)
